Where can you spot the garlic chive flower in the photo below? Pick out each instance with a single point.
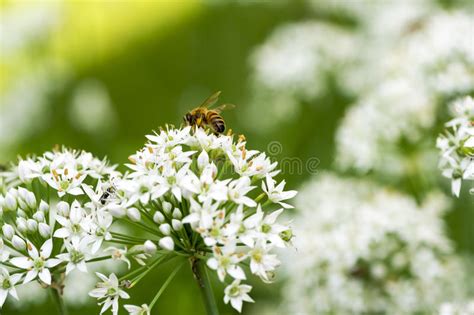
(137, 310)
(7, 285)
(37, 264)
(110, 292)
(456, 145)
(206, 197)
(236, 294)
(49, 224)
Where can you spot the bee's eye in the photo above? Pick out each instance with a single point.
(188, 118)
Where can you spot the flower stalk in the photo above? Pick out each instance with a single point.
(58, 300)
(204, 283)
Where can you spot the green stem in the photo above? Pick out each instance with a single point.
(163, 287)
(202, 278)
(58, 300)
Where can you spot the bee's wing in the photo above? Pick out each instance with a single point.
(222, 107)
(211, 100)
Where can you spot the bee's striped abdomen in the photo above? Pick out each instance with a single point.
(216, 121)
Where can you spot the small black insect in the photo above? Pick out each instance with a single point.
(109, 192)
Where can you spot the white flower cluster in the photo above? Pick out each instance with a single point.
(457, 144)
(294, 65)
(48, 226)
(365, 249)
(193, 194)
(369, 133)
(432, 60)
(466, 308)
(198, 194)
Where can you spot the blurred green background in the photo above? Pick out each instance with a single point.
(150, 62)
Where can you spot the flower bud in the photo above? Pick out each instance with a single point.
(22, 192)
(21, 203)
(21, 213)
(18, 243)
(286, 235)
(158, 217)
(167, 207)
(21, 224)
(177, 225)
(44, 230)
(30, 200)
(32, 225)
(177, 213)
(43, 206)
(63, 208)
(165, 229)
(39, 216)
(134, 214)
(9, 204)
(166, 243)
(8, 231)
(24, 171)
(117, 211)
(203, 160)
(150, 247)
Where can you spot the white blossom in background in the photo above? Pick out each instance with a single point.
(91, 108)
(456, 144)
(23, 24)
(466, 308)
(430, 62)
(195, 193)
(380, 17)
(369, 135)
(366, 249)
(29, 84)
(24, 106)
(294, 64)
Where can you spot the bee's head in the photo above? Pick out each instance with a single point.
(188, 119)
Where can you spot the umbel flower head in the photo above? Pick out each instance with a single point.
(402, 92)
(368, 250)
(49, 227)
(456, 145)
(206, 197)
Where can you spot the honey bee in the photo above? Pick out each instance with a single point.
(203, 116)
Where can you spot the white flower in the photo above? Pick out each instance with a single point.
(109, 291)
(264, 227)
(236, 293)
(261, 262)
(37, 264)
(137, 310)
(238, 190)
(77, 254)
(457, 145)
(7, 285)
(100, 230)
(119, 254)
(76, 225)
(276, 194)
(225, 261)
